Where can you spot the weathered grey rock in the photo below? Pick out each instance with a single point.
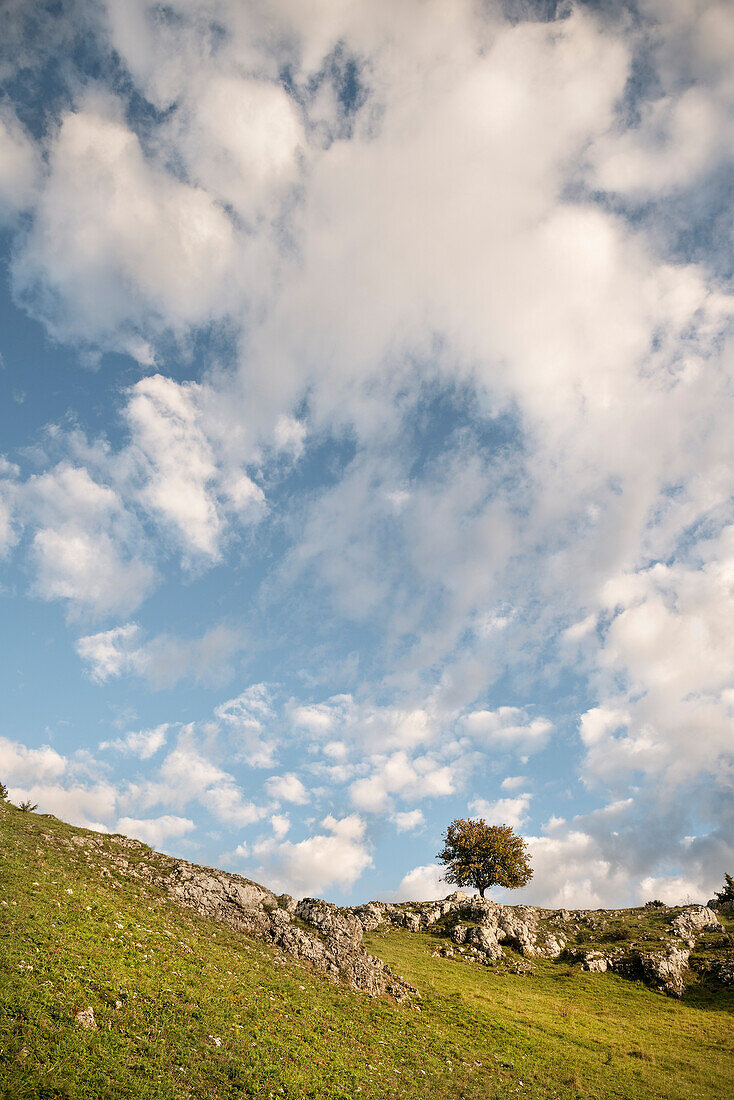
(664, 969)
(458, 933)
(722, 971)
(85, 1018)
(552, 947)
(517, 932)
(485, 939)
(595, 962)
(370, 916)
(694, 921)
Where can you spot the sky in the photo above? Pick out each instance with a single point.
(367, 435)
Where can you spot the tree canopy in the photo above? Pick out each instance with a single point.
(727, 891)
(481, 855)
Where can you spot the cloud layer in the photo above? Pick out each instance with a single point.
(408, 469)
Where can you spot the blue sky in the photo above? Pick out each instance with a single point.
(367, 435)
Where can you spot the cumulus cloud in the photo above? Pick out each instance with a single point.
(423, 883)
(508, 728)
(248, 719)
(8, 535)
(118, 244)
(181, 481)
(84, 548)
(504, 811)
(163, 660)
(286, 788)
(408, 820)
(155, 831)
(19, 165)
(140, 743)
(412, 779)
(336, 857)
(20, 764)
(343, 718)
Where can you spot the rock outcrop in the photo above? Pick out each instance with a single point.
(694, 921)
(312, 931)
(472, 929)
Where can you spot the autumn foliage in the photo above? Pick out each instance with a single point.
(481, 855)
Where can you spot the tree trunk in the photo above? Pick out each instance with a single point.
(481, 891)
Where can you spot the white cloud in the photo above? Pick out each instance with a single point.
(409, 820)
(336, 857)
(281, 825)
(342, 718)
(8, 535)
(19, 764)
(140, 743)
(423, 884)
(117, 243)
(505, 811)
(182, 482)
(247, 719)
(155, 831)
(417, 778)
(84, 548)
(240, 140)
(187, 775)
(90, 806)
(163, 660)
(508, 728)
(19, 166)
(512, 782)
(286, 788)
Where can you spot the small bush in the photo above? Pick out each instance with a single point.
(28, 807)
(3, 792)
(657, 904)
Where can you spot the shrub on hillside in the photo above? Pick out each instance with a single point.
(726, 893)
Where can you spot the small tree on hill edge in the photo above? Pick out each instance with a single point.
(727, 891)
(481, 855)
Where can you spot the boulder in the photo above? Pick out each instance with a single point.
(458, 933)
(664, 969)
(694, 921)
(596, 962)
(485, 939)
(85, 1018)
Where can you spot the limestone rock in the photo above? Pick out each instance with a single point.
(458, 933)
(85, 1018)
(486, 940)
(695, 920)
(595, 962)
(723, 971)
(664, 969)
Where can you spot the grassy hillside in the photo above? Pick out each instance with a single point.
(186, 1008)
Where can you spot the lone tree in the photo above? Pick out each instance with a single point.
(482, 855)
(726, 894)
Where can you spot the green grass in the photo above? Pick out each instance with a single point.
(164, 984)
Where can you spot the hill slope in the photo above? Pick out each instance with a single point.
(184, 1006)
